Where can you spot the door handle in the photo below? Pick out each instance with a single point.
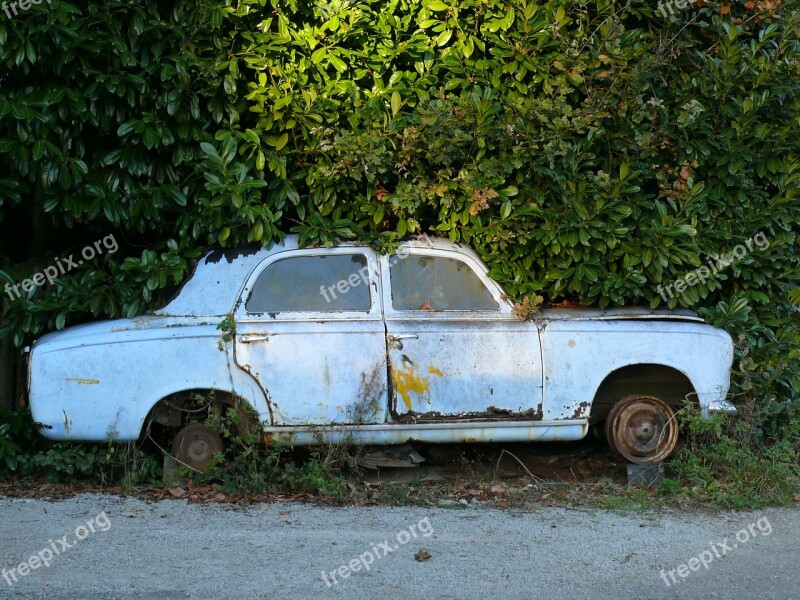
(248, 339)
(395, 341)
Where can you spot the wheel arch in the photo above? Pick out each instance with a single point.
(170, 409)
(666, 382)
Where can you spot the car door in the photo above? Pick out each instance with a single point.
(309, 329)
(455, 348)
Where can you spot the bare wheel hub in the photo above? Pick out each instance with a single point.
(195, 445)
(642, 429)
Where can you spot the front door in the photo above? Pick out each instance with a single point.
(455, 348)
(310, 331)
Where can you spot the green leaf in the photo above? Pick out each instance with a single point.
(281, 141)
(444, 37)
(209, 150)
(396, 102)
(437, 5)
(337, 63)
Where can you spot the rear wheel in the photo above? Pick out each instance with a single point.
(195, 445)
(642, 429)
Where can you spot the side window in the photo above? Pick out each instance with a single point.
(312, 283)
(437, 283)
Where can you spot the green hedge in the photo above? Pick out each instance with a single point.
(591, 151)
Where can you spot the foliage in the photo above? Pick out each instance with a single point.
(8, 448)
(26, 455)
(248, 466)
(590, 151)
(726, 462)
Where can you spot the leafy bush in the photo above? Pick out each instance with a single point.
(8, 448)
(248, 466)
(725, 461)
(591, 152)
(27, 455)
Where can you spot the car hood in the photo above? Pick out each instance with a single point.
(621, 314)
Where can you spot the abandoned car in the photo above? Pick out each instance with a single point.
(358, 347)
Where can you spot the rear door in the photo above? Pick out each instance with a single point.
(310, 330)
(455, 348)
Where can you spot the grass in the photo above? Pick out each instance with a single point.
(723, 463)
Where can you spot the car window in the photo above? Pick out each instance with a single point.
(437, 283)
(312, 283)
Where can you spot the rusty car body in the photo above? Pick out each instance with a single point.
(419, 345)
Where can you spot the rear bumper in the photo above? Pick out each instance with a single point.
(721, 406)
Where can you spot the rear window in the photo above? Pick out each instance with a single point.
(313, 283)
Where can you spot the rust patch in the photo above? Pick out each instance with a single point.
(491, 414)
(581, 410)
(270, 437)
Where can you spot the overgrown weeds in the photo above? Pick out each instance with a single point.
(26, 455)
(724, 461)
(248, 466)
(727, 462)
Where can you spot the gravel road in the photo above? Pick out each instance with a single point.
(171, 549)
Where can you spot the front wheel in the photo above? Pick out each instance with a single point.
(642, 429)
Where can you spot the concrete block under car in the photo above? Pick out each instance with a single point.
(647, 475)
(170, 476)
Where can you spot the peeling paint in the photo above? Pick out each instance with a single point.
(409, 381)
(83, 381)
(491, 414)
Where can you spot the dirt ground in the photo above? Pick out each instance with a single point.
(499, 475)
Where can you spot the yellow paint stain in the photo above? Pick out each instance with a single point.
(409, 381)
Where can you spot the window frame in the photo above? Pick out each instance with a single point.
(504, 310)
(241, 313)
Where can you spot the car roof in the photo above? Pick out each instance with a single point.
(220, 274)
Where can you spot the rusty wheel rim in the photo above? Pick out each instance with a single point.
(195, 446)
(643, 429)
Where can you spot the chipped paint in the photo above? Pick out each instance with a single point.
(582, 410)
(83, 381)
(408, 381)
